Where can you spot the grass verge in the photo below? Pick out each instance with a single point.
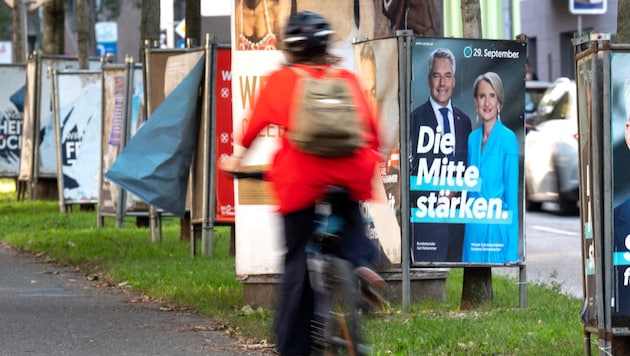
(550, 325)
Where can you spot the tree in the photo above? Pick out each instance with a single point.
(471, 18)
(54, 22)
(623, 22)
(86, 39)
(193, 21)
(477, 283)
(149, 25)
(19, 37)
(6, 29)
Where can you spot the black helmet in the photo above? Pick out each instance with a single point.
(307, 33)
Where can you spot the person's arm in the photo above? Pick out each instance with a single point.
(270, 108)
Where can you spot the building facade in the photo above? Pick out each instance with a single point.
(550, 27)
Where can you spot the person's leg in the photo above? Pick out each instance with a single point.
(356, 246)
(360, 251)
(296, 296)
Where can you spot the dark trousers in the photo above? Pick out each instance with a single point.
(296, 296)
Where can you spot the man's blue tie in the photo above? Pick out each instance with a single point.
(447, 130)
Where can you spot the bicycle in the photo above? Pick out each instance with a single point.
(335, 328)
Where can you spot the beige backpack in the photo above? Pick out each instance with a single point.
(325, 119)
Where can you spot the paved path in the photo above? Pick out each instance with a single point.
(51, 310)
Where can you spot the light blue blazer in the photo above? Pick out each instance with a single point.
(498, 169)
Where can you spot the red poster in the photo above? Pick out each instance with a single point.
(225, 183)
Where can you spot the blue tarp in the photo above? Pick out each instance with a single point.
(155, 164)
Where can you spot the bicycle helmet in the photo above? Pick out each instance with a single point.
(307, 33)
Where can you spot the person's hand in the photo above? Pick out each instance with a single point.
(231, 164)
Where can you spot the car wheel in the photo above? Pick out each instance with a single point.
(532, 205)
(568, 206)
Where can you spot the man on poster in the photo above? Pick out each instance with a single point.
(621, 234)
(438, 123)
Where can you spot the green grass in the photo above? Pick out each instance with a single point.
(550, 324)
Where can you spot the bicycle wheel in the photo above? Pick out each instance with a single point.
(343, 336)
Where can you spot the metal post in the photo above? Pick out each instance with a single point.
(25, 28)
(209, 203)
(405, 38)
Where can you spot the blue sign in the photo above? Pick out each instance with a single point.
(587, 7)
(104, 48)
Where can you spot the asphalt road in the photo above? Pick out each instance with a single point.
(553, 251)
(51, 310)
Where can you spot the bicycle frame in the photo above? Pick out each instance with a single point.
(335, 327)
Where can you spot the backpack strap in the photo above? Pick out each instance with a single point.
(328, 70)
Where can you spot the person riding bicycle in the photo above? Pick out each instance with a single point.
(300, 179)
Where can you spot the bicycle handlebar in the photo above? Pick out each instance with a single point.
(259, 175)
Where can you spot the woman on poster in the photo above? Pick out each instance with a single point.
(493, 149)
(256, 24)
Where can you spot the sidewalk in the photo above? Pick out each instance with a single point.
(51, 310)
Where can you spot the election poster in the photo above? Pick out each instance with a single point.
(223, 109)
(256, 52)
(123, 114)
(155, 163)
(620, 147)
(77, 114)
(466, 151)
(585, 115)
(11, 112)
(37, 157)
(376, 64)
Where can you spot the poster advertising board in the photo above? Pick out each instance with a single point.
(466, 195)
(223, 139)
(47, 141)
(123, 114)
(38, 130)
(77, 114)
(11, 113)
(585, 115)
(25, 170)
(259, 246)
(620, 153)
(376, 64)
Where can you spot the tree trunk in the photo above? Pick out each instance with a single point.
(20, 43)
(623, 22)
(477, 283)
(54, 31)
(149, 25)
(476, 287)
(83, 32)
(471, 18)
(193, 22)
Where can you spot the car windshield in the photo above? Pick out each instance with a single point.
(556, 105)
(532, 98)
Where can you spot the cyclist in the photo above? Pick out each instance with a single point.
(299, 179)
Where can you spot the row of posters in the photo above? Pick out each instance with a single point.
(478, 190)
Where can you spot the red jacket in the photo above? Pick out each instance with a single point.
(300, 179)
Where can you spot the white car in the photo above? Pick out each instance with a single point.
(551, 150)
(534, 91)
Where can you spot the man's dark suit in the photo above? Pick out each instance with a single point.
(447, 239)
(621, 229)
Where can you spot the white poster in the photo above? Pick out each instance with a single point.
(78, 123)
(11, 116)
(47, 149)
